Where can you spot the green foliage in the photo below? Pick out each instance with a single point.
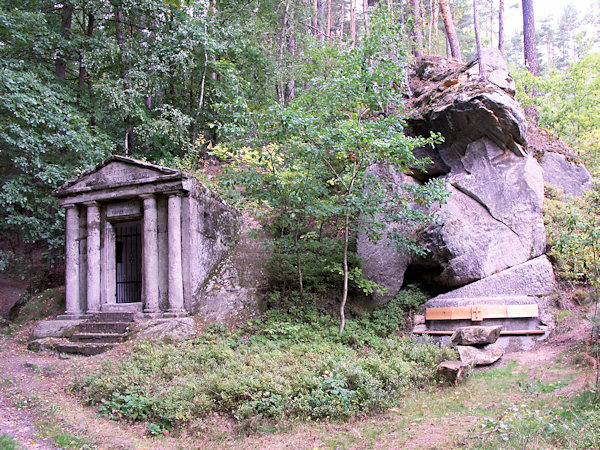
(568, 103)
(305, 164)
(572, 423)
(287, 364)
(7, 442)
(573, 234)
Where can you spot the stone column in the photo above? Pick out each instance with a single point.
(175, 266)
(93, 257)
(72, 261)
(150, 255)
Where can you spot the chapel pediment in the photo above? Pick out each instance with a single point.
(117, 171)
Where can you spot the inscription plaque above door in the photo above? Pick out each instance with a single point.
(123, 210)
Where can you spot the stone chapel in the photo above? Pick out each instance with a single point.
(140, 238)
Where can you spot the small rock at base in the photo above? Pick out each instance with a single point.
(476, 335)
(483, 356)
(452, 372)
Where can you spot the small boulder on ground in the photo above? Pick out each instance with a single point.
(476, 335)
(452, 372)
(482, 356)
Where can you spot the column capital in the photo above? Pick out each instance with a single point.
(176, 193)
(145, 196)
(70, 205)
(91, 203)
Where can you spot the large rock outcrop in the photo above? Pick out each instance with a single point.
(493, 218)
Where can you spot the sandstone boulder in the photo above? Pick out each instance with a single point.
(381, 260)
(476, 335)
(492, 220)
(535, 277)
(483, 356)
(570, 176)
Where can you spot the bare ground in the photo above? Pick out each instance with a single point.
(35, 400)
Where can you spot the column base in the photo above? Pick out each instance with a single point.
(73, 316)
(175, 313)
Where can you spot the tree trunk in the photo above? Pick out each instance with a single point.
(315, 20)
(353, 23)
(290, 88)
(65, 28)
(450, 29)
(329, 24)
(530, 51)
(501, 27)
(478, 39)
(366, 16)
(346, 238)
(342, 19)
(529, 41)
(418, 43)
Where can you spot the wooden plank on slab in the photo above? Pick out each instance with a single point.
(502, 333)
(450, 313)
(516, 311)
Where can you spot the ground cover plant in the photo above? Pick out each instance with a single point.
(288, 364)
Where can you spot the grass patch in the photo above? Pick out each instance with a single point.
(69, 440)
(290, 364)
(7, 442)
(547, 423)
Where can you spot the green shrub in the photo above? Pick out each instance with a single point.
(283, 365)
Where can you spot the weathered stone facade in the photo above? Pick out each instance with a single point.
(141, 238)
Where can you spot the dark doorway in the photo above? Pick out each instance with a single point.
(128, 254)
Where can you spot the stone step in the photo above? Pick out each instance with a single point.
(65, 346)
(104, 327)
(100, 338)
(113, 317)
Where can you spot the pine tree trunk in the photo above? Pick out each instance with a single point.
(353, 23)
(366, 16)
(342, 19)
(418, 43)
(65, 29)
(329, 23)
(450, 30)
(478, 38)
(529, 41)
(530, 51)
(501, 27)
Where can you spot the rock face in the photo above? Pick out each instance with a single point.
(175, 329)
(573, 178)
(483, 356)
(475, 335)
(492, 220)
(535, 277)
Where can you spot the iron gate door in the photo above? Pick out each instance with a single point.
(128, 254)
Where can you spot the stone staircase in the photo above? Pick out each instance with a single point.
(96, 335)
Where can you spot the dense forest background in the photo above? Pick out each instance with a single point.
(170, 82)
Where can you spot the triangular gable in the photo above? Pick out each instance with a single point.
(116, 170)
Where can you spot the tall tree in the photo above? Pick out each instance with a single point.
(353, 23)
(529, 38)
(451, 35)
(477, 38)
(65, 27)
(417, 32)
(501, 26)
